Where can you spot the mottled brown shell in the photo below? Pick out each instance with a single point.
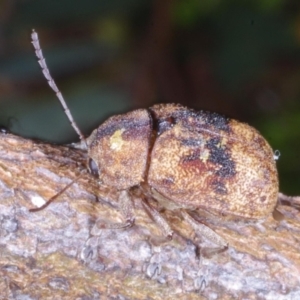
(189, 159)
(120, 147)
(204, 160)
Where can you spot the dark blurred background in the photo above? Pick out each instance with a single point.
(239, 58)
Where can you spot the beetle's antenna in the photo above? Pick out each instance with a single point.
(42, 62)
(53, 198)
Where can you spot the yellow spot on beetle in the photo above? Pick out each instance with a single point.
(204, 155)
(116, 140)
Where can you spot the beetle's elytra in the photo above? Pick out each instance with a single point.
(183, 159)
(192, 160)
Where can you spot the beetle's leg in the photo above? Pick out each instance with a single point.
(293, 201)
(52, 198)
(204, 230)
(157, 217)
(126, 207)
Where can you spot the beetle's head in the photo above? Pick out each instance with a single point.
(118, 149)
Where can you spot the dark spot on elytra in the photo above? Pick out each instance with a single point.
(263, 199)
(219, 187)
(197, 121)
(192, 142)
(191, 157)
(221, 156)
(167, 181)
(215, 120)
(163, 125)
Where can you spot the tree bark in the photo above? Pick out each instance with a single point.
(50, 254)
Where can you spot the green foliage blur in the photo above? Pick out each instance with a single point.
(239, 58)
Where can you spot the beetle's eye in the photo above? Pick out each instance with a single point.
(93, 167)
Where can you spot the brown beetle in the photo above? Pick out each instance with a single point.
(184, 159)
(187, 160)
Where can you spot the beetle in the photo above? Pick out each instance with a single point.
(185, 160)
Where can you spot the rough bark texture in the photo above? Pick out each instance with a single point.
(50, 254)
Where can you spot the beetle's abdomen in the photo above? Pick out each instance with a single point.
(207, 161)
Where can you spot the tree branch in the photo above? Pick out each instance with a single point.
(50, 254)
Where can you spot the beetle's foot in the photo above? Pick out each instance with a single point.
(89, 250)
(153, 269)
(157, 241)
(157, 217)
(200, 283)
(101, 224)
(205, 231)
(209, 252)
